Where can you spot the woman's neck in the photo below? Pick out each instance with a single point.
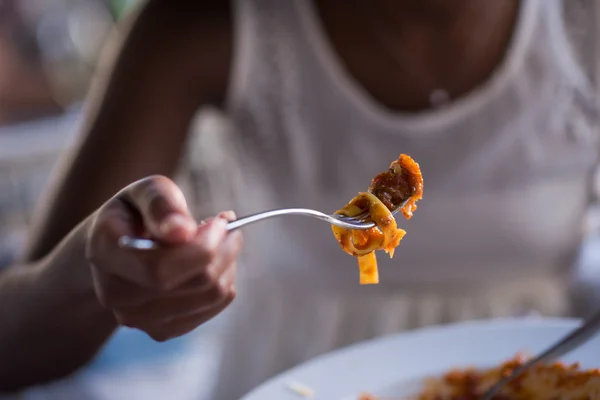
(433, 12)
(414, 47)
(441, 18)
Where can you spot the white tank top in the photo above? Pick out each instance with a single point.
(507, 172)
(506, 168)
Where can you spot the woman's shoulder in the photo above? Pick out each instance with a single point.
(195, 39)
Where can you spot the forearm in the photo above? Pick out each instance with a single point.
(51, 322)
(150, 82)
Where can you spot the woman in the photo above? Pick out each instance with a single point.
(321, 97)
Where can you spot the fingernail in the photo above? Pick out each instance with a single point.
(206, 221)
(228, 215)
(177, 221)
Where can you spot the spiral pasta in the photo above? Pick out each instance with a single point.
(402, 183)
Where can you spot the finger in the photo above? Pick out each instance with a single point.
(187, 324)
(113, 220)
(189, 261)
(164, 269)
(163, 208)
(132, 278)
(184, 303)
(227, 215)
(114, 292)
(227, 256)
(164, 310)
(186, 300)
(222, 259)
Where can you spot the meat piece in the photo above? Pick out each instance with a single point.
(402, 181)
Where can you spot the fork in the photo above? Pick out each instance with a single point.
(576, 338)
(359, 222)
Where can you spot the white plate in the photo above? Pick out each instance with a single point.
(396, 365)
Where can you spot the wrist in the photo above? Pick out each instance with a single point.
(66, 271)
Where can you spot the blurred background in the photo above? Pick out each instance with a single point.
(48, 52)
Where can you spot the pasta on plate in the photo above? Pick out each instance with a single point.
(401, 186)
(555, 381)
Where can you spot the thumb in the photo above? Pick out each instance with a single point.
(163, 209)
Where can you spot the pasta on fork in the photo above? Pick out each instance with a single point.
(400, 186)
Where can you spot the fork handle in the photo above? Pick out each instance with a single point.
(149, 244)
(249, 219)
